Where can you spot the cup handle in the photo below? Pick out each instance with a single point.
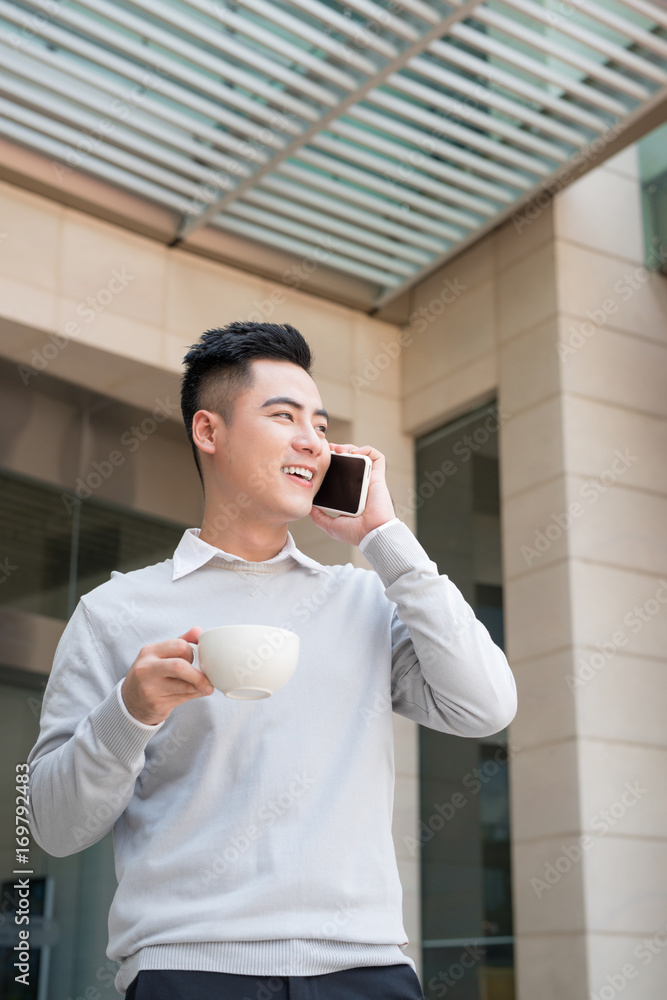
(195, 656)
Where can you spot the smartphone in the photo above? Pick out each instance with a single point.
(345, 485)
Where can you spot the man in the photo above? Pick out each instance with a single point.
(253, 839)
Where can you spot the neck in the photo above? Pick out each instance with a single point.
(250, 541)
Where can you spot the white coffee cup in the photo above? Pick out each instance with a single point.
(247, 661)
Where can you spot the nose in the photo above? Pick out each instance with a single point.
(308, 439)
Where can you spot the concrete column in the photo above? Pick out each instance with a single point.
(582, 366)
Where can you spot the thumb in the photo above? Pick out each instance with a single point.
(192, 634)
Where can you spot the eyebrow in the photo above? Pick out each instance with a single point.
(293, 402)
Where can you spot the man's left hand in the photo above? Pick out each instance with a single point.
(379, 507)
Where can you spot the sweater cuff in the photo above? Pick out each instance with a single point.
(123, 735)
(396, 551)
(371, 534)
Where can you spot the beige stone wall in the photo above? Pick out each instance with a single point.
(615, 433)
(474, 326)
(584, 509)
(114, 312)
(583, 598)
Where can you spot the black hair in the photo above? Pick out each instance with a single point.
(219, 367)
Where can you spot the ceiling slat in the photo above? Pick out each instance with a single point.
(391, 133)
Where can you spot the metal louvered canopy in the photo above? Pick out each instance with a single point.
(374, 138)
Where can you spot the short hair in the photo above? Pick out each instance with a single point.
(218, 368)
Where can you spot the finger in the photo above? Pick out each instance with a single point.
(323, 521)
(372, 453)
(167, 648)
(321, 515)
(345, 449)
(181, 687)
(364, 449)
(367, 449)
(178, 669)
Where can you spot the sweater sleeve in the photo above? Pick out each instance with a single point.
(90, 750)
(447, 673)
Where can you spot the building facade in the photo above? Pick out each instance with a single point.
(518, 394)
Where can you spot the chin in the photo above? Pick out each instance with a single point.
(300, 508)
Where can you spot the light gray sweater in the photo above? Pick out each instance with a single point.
(255, 837)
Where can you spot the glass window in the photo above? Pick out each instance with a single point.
(36, 535)
(58, 548)
(69, 897)
(464, 792)
(653, 173)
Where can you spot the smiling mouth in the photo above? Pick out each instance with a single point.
(305, 483)
(308, 483)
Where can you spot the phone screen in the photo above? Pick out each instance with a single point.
(341, 487)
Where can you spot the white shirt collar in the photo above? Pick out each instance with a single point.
(192, 552)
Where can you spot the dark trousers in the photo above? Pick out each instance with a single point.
(377, 982)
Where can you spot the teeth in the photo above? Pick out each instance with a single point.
(305, 473)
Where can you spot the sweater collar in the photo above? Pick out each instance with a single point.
(192, 552)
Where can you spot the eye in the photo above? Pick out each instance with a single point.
(323, 427)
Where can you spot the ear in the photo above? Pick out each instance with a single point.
(205, 428)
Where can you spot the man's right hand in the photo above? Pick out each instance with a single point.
(161, 677)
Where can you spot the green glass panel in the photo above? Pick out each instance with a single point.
(464, 832)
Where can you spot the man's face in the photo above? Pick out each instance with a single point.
(263, 438)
